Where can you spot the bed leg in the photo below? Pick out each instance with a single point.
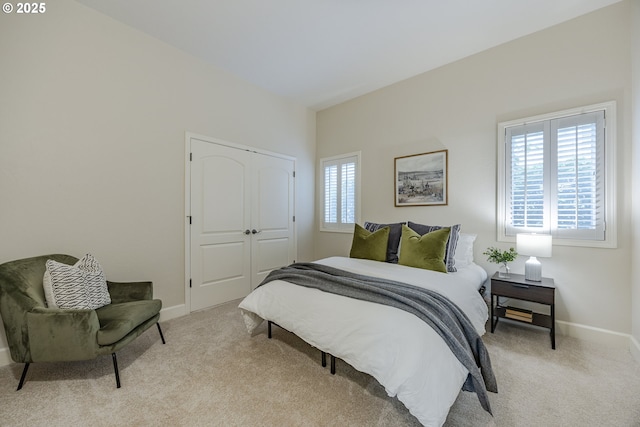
(269, 326)
(333, 365)
(324, 359)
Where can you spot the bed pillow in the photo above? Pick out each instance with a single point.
(368, 245)
(449, 258)
(78, 286)
(464, 249)
(424, 251)
(395, 231)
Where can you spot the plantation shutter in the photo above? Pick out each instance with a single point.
(331, 194)
(348, 192)
(528, 187)
(579, 180)
(555, 177)
(339, 192)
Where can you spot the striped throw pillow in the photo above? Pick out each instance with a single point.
(79, 286)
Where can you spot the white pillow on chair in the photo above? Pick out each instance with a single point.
(78, 286)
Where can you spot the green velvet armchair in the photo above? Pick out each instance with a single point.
(36, 333)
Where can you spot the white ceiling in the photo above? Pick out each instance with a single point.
(323, 52)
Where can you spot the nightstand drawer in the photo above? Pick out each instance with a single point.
(523, 291)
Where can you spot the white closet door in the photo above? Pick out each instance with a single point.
(220, 216)
(272, 210)
(242, 226)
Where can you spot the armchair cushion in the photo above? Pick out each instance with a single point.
(117, 320)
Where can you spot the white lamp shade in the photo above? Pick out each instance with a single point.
(532, 244)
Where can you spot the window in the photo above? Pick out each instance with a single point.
(556, 175)
(340, 192)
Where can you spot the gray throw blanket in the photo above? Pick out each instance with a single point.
(437, 311)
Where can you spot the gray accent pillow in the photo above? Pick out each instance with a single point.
(452, 243)
(395, 233)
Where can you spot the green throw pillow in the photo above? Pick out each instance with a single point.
(426, 251)
(368, 245)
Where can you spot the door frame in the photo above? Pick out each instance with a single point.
(188, 136)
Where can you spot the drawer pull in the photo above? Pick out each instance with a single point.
(520, 286)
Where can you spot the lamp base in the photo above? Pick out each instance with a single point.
(533, 270)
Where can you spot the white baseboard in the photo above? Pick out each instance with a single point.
(635, 348)
(173, 312)
(165, 314)
(589, 333)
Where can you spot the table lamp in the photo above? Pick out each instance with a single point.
(534, 245)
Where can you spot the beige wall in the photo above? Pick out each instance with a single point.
(93, 117)
(457, 107)
(635, 302)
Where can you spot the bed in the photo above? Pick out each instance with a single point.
(403, 353)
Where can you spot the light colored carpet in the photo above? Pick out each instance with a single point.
(212, 373)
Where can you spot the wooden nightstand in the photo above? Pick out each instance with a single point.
(516, 287)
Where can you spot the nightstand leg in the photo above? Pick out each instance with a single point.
(553, 326)
(493, 325)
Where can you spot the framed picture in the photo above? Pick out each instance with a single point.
(421, 179)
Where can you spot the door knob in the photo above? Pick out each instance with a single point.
(247, 231)
(254, 231)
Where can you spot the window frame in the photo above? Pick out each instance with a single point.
(341, 159)
(609, 175)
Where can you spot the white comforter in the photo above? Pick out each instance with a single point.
(399, 350)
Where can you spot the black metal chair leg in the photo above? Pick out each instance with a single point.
(115, 368)
(324, 359)
(160, 330)
(333, 365)
(23, 376)
(269, 326)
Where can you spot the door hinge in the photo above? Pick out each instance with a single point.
(191, 157)
(189, 219)
(189, 282)
(294, 218)
(294, 174)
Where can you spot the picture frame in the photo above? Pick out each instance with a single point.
(421, 179)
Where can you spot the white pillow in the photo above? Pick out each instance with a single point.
(464, 250)
(78, 286)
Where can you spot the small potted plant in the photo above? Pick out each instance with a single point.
(501, 257)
